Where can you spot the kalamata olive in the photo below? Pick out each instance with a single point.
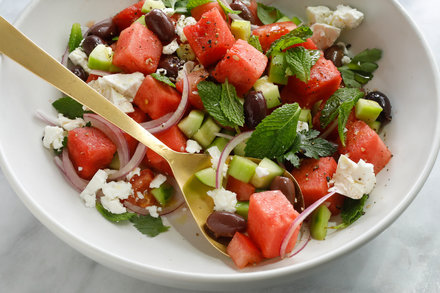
(80, 72)
(246, 13)
(384, 102)
(105, 29)
(161, 25)
(171, 64)
(286, 186)
(90, 42)
(334, 54)
(225, 224)
(255, 108)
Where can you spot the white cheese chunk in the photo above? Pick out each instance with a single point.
(353, 180)
(318, 14)
(170, 48)
(153, 210)
(70, 124)
(224, 200)
(125, 84)
(324, 35)
(181, 23)
(113, 193)
(302, 126)
(118, 99)
(215, 154)
(346, 17)
(79, 57)
(114, 206)
(193, 146)
(345, 60)
(88, 195)
(261, 172)
(157, 181)
(135, 171)
(53, 137)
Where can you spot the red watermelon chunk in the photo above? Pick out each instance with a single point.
(89, 150)
(242, 189)
(325, 79)
(210, 37)
(193, 79)
(127, 16)
(243, 251)
(156, 98)
(364, 143)
(241, 66)
(173, 138)
(137, 49)
(313, 177)
(198, 11)
(270, 216)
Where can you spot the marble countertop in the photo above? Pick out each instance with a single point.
(405, 258)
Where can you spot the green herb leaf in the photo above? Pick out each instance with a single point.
(344, 113)
(268, 14)
(348, 77)
(299, 62)
(149, 225)
(113, 217)
(230, 105)
(227, 10)
(368, 55)
(75, 37)
(163, 78)
(179, 6)
(254, 41)
(60, 150)
(352, 210)
(296, 20)
(297, 36)
(275, 134)
(69, 107)
(360, 70)
(194, 3)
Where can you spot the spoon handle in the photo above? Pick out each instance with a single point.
(22, 50)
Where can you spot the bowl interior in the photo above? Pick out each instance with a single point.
(181, 257)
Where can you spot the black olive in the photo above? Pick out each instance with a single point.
(105, 29)
(384, 102)
(171, 64)
(246, 13)
(80, 72)
(334, 54)
(255, 108)
(161, 25)
(90, 42)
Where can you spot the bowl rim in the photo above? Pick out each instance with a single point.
(138, 269)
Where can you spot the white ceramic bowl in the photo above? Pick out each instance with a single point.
(180, 258)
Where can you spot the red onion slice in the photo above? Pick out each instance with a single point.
(227, 136)
(225, 153)
(133, 163)
(329, 130)
(65, 57)
(299, 220)
(46, 118)
(59, 164)
(71, 174)
(113, 133)
(302, 243)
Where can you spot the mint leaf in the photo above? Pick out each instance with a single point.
(268, 14)
(211, 95)
(297, 36)
(360, 70)
(230, 105)
(194, 3)
(275, 133)
(69, 107)
(254, 41)
(163, 78)
(368, 55)
(344, 112)
(352, 210)
(348, 77)
(296, 20)
(113, 217)
(299, 62)
(149, 225)
(75, 37)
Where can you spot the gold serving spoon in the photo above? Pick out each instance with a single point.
(22, 50)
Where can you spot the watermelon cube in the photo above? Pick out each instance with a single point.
(198, 11)
(173, 138)
(89, 150)
(242, 189)
(193, 79)
(243, 251)
(156, 98)
(128, 15)
(325, 79)
(270, 216)
(137, 50)
(364, 143)
(313, 177)
(210, 37)
(241, 66)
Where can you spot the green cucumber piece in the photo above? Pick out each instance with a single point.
(241, 168)
(241, 29)
(305, 116)
(367, 110)
(270, 91)
(375, 125)
(185, 52)
(191, 123)
(163, 193)
(75, 37)
(206, 134)
(141, 20)
(206, 176)
(239, 149)
(283, 19)
(101, 58)
(273, 171)
(242, 208)
(219, 142)
(152, 4)
(277, 69)
(319, 221)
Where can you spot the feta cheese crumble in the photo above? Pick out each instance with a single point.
(53, 137)
(70, 124)
(113, 193)
(153, 211)
(224, 200)
(344, 17)
(193, 146)
(170, 48)
(125, 84)
(79, 58)
(181, 23)
(135, 171)
(353, 180)
(88, 195)
(302, 126)
(157, 181)
(324, 35)
(215, 154)
(261, 172)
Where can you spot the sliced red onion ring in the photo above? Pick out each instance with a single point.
(112, 132)
(299, 220)
(65, 57)
(227, 136)
(302, 243)
(46, 118)
(71, 174)
(329, 130)
(59, 164)
(133, 163)
(225, 153)
(157, 122)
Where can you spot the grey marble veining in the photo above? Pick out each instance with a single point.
(405, 258)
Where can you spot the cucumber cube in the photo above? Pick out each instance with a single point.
(277, 69)
(305, 116)
(367, 110)
(242, 208)
(206, 176)
(241, 29)
(101, 58)
(185, 52)
(219, 142)
(152, 4)
(141, 20)
(270, 91)
(191, 123)
(239, 149)
(319, 221)
(163, 193)
(375, 125)
(241, 168)
(271, 170)
(206, 134)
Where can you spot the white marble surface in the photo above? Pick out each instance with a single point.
(405, 258)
